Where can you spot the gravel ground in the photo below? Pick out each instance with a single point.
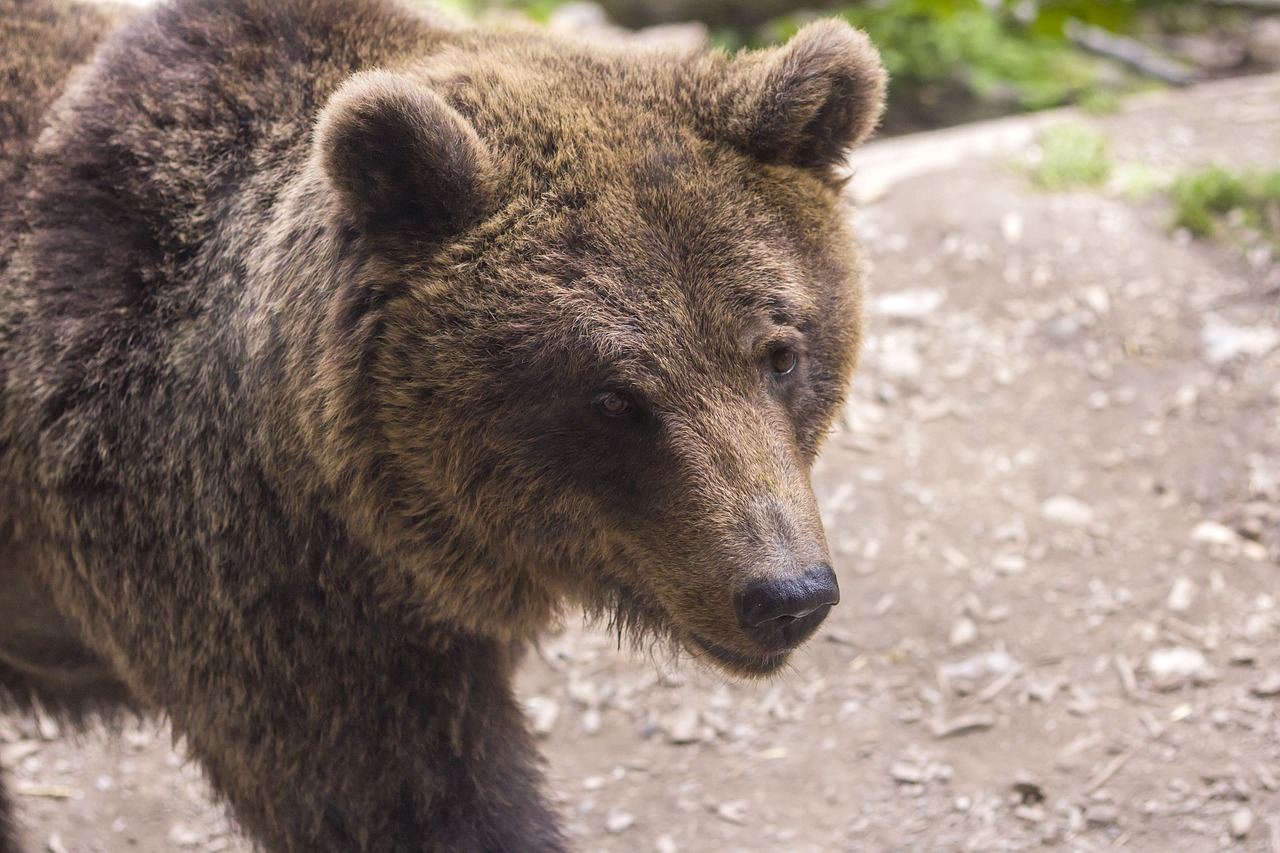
(1055, 508)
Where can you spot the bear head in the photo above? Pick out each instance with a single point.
(601, 305)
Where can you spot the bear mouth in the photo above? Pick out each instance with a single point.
(632, 612)
(743, 663)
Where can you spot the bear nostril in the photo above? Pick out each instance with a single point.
(768, 610)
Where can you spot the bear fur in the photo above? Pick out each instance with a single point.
(343, 348)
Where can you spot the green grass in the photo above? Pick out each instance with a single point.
(1072, 157)
(1204, 200)
(1101, 102)
(1140, 182)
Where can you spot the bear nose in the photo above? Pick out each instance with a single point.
(783, 612)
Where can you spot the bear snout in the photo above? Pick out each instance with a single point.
(781, 613)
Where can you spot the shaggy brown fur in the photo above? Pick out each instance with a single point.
(42, 40)
(340, 348)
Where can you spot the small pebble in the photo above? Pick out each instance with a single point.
(963, 632)
(1101, 814)
(1031, 814)
(907, 774)
(1241, 822)
(1269, 686)
(1171, 667)
(618, 821)
(684, 727)
(1181, 595)
(185, 836)
(1068, 511)
(543, 713)
(1243, 655)
(1213, 533)
(732, 812)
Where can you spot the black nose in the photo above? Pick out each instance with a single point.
(780, 613)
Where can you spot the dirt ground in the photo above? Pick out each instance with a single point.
(1055, 509)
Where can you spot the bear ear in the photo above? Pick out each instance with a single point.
(808, 103)
(401, 158)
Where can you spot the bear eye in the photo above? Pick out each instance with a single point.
(783, 360)
(614, 405)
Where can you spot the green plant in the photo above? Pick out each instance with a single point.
(1250, 197)
(1140, 182)
(1100, 102)
(1072, 156)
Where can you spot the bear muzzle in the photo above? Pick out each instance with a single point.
(779, 614)
(775, 615)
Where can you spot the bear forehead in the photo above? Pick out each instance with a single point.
(544, 103)
(504, 74)
(667, 235)
(647, 296)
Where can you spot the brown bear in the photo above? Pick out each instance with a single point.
(343, 348)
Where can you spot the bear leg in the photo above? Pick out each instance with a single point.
(347, 740)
